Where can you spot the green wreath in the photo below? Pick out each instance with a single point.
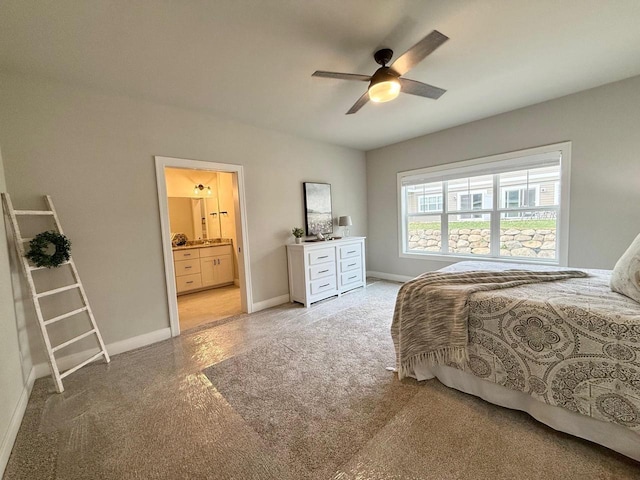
(39, 244)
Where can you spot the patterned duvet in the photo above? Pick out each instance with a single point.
(572, 343)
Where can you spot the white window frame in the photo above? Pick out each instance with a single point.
(479, 166)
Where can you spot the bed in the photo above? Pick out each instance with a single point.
(566, 352)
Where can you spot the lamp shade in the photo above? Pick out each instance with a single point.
(344, 221)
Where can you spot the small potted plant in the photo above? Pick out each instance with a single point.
(298, 233)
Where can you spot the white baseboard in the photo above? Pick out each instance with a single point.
(270, 302)
(121, 346)
(389, 276)
(16, 420)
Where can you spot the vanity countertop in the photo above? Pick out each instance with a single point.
(203, 245)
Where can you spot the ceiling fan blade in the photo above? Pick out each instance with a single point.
(418, 52)
(342, 76)
(421, 89)
(359, 104)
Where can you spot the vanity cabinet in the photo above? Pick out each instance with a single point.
(319, 270)
(216, 270)
(205, 267)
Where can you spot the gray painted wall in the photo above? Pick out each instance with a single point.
(12, 376)
(93, 152)
(604, 127)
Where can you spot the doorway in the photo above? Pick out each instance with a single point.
(204, 240)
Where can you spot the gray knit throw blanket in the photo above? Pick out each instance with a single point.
(430, 319)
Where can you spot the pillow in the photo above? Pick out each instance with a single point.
(625, 278)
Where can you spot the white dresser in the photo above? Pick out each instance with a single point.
(319, 270)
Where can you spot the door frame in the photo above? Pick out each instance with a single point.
(244, 271)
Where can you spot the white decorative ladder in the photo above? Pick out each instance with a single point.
(36, 296)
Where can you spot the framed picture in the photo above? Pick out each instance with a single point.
(317, 208)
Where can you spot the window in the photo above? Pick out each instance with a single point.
(516, 197)
(471, 201)
(508, 207)
(429, 203)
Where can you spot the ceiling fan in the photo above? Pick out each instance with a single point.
(387, 82)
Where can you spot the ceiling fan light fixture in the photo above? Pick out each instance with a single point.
(384, 91)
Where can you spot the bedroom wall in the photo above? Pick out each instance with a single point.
(604, 126)
(14, 390)
(93, 152)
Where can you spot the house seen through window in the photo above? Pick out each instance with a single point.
(509, 207)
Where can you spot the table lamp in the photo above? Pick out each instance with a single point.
(345, 222)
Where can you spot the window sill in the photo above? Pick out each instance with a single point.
(457, 258)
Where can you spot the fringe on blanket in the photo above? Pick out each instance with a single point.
(442, 356)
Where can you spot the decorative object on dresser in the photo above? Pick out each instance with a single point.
(298, 233)
(345, 222)
(203, 267)
(317, 208)
(322, 270)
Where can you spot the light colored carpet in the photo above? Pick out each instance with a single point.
(322, 399)
(295, 394)
(318, 395)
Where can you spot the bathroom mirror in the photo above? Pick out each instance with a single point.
(197, 218)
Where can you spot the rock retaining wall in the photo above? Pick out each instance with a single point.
(513, 242)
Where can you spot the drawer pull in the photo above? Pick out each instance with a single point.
(323, 271)
(351, 278)
(186, 254)
(187, 267)
(325, 285)
(190, 281)
(351, 251)
(351, 265)
(324, 256)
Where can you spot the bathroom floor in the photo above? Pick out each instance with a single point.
(195, 309)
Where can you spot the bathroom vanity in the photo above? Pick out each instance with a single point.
(203, 266)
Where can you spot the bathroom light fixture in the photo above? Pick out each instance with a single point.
(198, 188)
(345, 222)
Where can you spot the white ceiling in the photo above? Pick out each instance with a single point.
(252, 60)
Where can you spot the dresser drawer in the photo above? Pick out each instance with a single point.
(348, 264)
(322, 270)
(349, 278)
(323, 285)
(186, 254)
(187, 267)
(349, 251)
(188, 282)
(321, 256)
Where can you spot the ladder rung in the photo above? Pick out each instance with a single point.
(34, 269)
(75, 339)
(57, 290)
(78, 367)
(65, 315)
(33, 212)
